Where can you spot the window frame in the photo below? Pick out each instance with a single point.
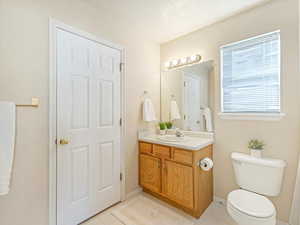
(250, 115)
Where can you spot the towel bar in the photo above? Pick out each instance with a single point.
(34, 103)
(29, 105)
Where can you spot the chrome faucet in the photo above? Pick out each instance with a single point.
(179, 133)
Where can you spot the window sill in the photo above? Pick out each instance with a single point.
(252, 116)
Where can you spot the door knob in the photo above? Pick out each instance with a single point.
(63, 142)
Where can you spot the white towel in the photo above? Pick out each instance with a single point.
(148, 111)
(174, 111)
(208, 119)
(7, 142)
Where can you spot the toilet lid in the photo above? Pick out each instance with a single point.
(251, 204)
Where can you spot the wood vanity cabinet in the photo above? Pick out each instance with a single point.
(173, 175)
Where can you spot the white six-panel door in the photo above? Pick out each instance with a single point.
(88, 114)
(191, 101)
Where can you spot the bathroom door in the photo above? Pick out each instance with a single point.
(191, 103)
(88, 129)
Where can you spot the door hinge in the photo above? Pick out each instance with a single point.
(121, 66)
(184, 117)
(121, 121)
(121, 176)
(55, 141)
(184, 84)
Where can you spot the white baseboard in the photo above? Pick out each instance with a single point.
(281, 223)
(222, 201)
(133, 193)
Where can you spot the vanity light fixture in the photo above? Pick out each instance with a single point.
(182, 62)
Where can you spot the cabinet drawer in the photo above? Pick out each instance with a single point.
(145, 148)
(163, 151)
(183, 156)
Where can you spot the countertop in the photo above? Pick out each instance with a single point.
(191, 141)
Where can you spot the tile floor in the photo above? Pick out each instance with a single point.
(215, 215)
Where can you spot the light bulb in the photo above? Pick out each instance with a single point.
(174, 62)
(167, 64)
(193, 58)
(183, 60)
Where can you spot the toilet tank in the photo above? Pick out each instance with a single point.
(260, 175)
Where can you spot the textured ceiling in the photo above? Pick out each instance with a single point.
(164, 20)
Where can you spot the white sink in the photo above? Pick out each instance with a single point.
(171, 138)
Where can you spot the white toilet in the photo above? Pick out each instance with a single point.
(256, 177)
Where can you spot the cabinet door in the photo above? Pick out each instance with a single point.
(178, 183)
(150, 173)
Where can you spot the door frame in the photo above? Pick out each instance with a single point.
(294, 218)
(54, 25)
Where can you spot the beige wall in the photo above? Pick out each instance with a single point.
(282, 137)
(24, 73)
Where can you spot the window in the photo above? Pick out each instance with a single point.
(250, 75)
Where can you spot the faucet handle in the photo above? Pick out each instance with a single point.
(179, 133)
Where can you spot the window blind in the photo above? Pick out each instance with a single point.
(251, 75)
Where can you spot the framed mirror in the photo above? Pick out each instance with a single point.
(185, 96)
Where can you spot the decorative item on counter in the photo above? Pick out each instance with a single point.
(169, 125)
(162, 128)
(255, 146)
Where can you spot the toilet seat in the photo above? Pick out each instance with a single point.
(251, 204)
(248, 208)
